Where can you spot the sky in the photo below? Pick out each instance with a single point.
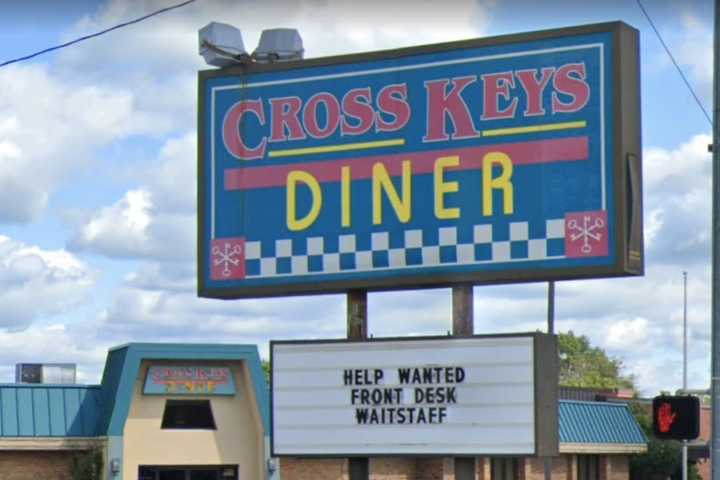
(98, 184)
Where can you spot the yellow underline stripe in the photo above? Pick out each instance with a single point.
(534, 128)
(336, 148)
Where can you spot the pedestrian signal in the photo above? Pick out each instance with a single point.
(676, 418)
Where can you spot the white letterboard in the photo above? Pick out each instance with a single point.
(454, 396)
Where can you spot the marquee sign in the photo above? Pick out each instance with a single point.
(505, 159)
(484, 395)
(189, 380)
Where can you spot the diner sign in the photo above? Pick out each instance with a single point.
(505, 159)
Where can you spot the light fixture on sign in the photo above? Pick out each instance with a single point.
(279, 45)
(221, 45)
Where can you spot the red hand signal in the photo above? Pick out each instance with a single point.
(666, 417)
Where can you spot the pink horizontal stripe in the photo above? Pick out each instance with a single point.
(521, 153)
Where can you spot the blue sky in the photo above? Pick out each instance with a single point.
(97, 183)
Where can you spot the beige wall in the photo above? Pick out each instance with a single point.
(238, 439)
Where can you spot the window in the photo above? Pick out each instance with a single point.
(227, 472)
(504, 469)
(188, 414)
(588, 467)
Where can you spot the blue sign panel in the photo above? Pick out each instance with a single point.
(189, 380)
(495, 160)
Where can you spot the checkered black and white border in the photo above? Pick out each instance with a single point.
(413, 253)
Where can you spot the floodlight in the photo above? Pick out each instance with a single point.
(221, 45)
(279, 45)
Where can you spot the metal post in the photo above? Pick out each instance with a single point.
(463, 326)
(685, 448)
(462, 296)
(715, 368)
(547, 461)
(357, 315)
(359, 468)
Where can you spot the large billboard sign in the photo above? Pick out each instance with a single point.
(483, 395)
(495, 160)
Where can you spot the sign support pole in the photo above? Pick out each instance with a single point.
(547, 461)
(715, 198)
(463, 326)
(357, 330)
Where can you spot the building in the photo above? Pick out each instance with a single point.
(162, 412)
(201, 412)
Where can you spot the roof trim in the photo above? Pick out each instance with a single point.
(619, 448)
(50, 443)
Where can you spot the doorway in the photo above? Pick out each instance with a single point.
(188, 472)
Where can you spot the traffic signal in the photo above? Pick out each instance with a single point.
(676, 418)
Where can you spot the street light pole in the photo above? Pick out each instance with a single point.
(685, 448)
(715, 336)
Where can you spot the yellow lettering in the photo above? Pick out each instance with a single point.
(498, 183)
(345, 200)
(442, 187)
(382, 181)
(295, 224)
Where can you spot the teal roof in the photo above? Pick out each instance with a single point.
(598, 422)
(29, 410)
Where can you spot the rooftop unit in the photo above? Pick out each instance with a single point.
(54, 373)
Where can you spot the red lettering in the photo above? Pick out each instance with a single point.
(534, 89)
(232, 138)
(442, 104)
(332, 115)
(392, 100)
(497, 86)
(356, 105)
(570, 81)
(285, 119)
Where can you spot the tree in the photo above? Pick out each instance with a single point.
(266, 370)
(88, 465)
(582, 365)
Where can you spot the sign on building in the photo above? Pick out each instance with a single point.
(505, 159)
(189, 380)
(483, 395)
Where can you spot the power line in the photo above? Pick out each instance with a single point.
(682, 75)
(97, 34)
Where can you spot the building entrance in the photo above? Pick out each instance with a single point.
(215, 472)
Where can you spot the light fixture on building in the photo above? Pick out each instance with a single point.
(221, 45)
(279, 45)
(115, 466)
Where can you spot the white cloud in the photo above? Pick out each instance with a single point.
(54, 128)
(133, 227)
(677, 187)
(37, 283)
(157, 219)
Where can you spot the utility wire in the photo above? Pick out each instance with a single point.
(97, 34)
(687, 83)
